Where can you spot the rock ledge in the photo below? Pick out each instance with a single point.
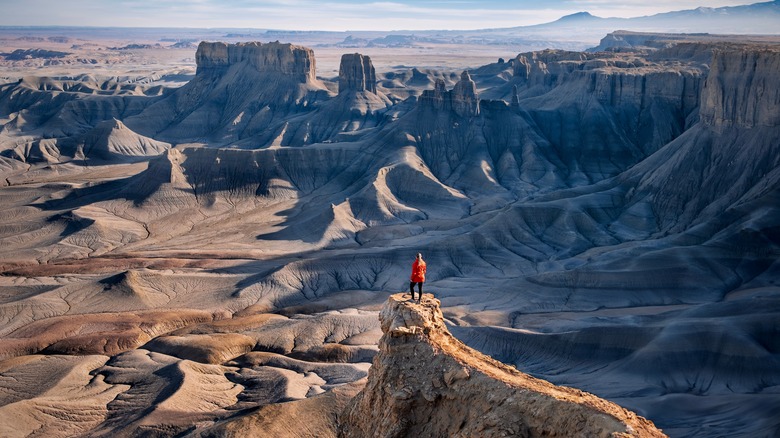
(424, 382)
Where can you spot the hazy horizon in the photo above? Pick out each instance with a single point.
(333, 15)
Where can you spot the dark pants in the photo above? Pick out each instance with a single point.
(419, 288)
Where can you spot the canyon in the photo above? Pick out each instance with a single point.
(210, 258)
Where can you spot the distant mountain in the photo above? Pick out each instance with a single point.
(757, 18)
(756, 9)
(579, 18)
(768, 13)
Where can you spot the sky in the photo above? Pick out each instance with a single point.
(338, 15)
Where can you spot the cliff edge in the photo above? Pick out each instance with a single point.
(425, 382)
(287, 59)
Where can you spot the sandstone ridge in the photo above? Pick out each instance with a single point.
(424, 382)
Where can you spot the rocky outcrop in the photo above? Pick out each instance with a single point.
(548, 67)
(464, 96)
(741, 89)
(287, 59)
(358, 105)
(730, 156)
(22, 54)
(614, 79)
(629, 41)
(424, 382)
(241, 92)
(463, 99)
(356, 73)
(621, 106)
(515, 103)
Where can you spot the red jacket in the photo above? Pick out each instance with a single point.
(418, 271)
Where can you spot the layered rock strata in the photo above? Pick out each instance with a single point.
(424, 382)
(730, 158)
(741, 89)
(356, 73)
(288, 59)
(462, 99)
(613, 81)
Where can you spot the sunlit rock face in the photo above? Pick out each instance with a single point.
(424, 382)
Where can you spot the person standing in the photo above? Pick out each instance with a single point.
(418, 276)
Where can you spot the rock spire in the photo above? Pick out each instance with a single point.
(464, 96)
(462, 99)
(356, 73)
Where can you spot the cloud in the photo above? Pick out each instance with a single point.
(328, 14)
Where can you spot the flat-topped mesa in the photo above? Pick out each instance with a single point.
(288, 59)
(626, 40)
(424, 382)
(629, 84)
(742, 88)
(356, 73)
(462, 99)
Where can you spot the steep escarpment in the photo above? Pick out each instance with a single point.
(703, 206)
(731, 155)
(240, 92)
(742, 89)
(566, 112)
(290, 60)
(702, 212)
(624, 107)
(424, 382)
(356, 73)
